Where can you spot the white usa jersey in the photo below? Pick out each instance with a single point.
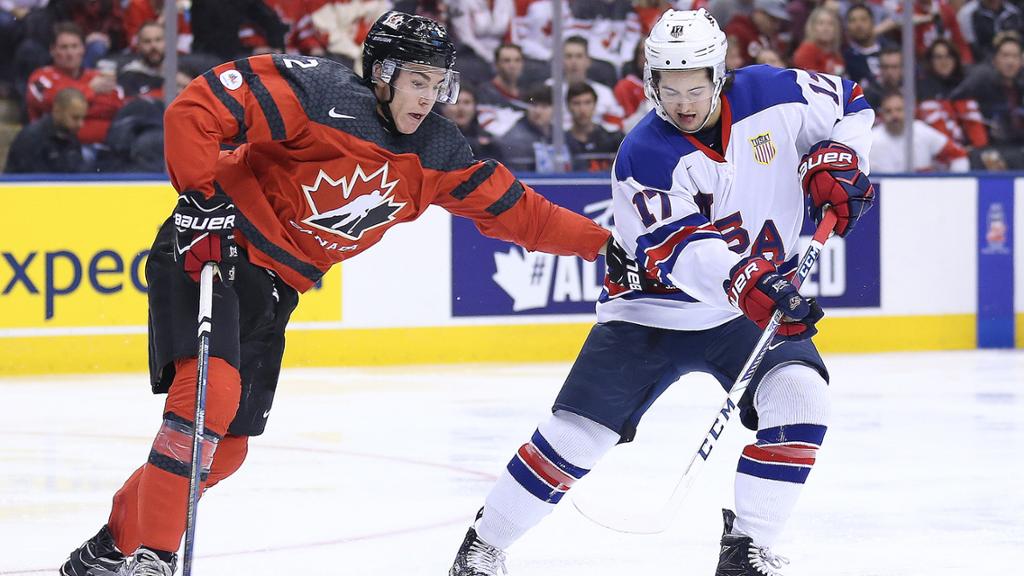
(688, 214)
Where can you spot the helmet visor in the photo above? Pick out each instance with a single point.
(422, 81)
(670, 93)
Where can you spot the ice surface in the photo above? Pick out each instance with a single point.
(378, 471)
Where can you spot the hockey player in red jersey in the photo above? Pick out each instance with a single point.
(326, 162)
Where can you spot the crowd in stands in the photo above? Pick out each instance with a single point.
(87, 75)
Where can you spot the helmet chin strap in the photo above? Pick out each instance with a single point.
(387, 119)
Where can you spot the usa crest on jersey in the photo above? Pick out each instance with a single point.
(764, 149)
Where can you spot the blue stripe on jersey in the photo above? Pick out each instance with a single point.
(542, 444)
(659, 235)
(757, 88)
(853, 98)
(807, 433)
(781, 472)
(650, 153)
(534, 485)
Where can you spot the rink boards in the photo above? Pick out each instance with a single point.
(937, 266)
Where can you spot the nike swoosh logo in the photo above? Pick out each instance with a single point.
(776, 345)
(266, 414)
(333, 114)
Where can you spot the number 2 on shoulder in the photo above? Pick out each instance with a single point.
(641, 199)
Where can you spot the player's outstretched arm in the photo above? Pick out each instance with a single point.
(237, 102)
(504, 208)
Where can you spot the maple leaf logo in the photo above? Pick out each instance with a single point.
(372, 202)
(525, 277)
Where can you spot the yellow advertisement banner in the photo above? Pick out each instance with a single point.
(73, 256)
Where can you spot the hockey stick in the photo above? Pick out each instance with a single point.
(656, 521)
(205, 324)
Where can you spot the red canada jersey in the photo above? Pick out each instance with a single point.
(316, 177)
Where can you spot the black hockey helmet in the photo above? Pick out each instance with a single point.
(397, 37)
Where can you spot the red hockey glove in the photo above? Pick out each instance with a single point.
(205, 233)
(830, 176)
(756, 288)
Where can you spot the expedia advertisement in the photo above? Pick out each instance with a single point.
(491, 277)
(73, 255)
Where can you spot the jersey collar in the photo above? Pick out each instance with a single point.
(726, 123)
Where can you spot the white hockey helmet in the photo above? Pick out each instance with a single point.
(685, 40)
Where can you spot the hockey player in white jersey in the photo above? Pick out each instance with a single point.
(708, 196)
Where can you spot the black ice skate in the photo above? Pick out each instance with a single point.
(144, 562)
(741, 557)
(97, 553)
(476, 557)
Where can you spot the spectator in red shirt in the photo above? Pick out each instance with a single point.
(934, 19)
(302, 36)
(960, 119)
(819, 51)
(100, 89)
(761, 29)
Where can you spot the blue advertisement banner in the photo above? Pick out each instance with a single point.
(995, 263)
(495, 278)
(848, 271)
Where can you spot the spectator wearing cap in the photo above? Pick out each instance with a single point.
(576, 63)
(464, 114)
(533, 128)
(726, 10)
(760, 30)
(981, 20)
(505, 89)
(999, 89)
(933, 150)
(863, 47)
(819, 52)
(890, 75)
(960, 119)
(101, 91)
(50, 144)
(591, 147)
(143, 74)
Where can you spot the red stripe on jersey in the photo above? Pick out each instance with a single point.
(661, 252)
(855, 93)
(802, 454)
(543, 468)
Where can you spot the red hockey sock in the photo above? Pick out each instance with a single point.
(150, 508)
